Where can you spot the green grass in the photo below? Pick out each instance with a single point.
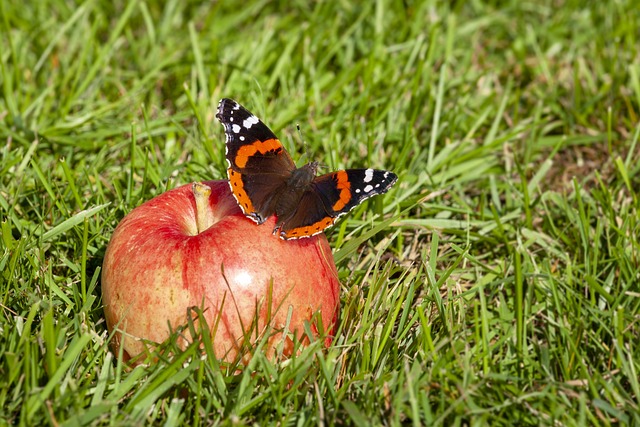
(503, 287)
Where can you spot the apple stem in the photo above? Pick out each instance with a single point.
(204, 216)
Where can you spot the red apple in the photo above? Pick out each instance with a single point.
(188, 248)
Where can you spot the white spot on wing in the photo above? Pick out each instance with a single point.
(235, 128)
(250, 121)
(241, 138)
(368, 175)
(368, 188)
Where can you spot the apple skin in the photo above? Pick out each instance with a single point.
(157, 266)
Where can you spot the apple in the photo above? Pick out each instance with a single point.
(193, 247)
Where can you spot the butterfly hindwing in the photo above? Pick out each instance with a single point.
(311, 217)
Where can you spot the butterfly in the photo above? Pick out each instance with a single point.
(265, 181)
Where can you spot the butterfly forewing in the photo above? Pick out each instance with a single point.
(251, 145)
(348, 188)
(258, 164)
(333, 195)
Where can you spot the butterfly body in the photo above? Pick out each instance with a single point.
(265, 181)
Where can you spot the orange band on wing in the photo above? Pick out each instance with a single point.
(262, 147)
(237, 187)
(309, 230)
(343, 184)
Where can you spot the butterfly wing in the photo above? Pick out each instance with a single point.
(331, 196)
(258, 164)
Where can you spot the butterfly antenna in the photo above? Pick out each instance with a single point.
(306, 149)
(304, 143)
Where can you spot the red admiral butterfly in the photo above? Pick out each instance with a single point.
(265, 181)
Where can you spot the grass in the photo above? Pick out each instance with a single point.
(500, 285)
